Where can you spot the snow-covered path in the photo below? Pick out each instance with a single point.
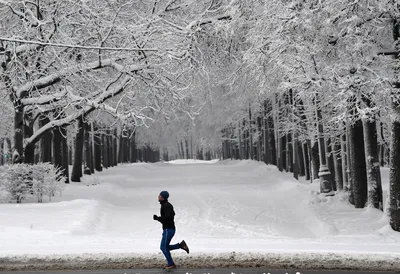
(221, 207)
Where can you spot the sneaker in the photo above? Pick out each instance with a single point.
(172, 266)
(184, 246)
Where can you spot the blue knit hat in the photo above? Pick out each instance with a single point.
(164, 194)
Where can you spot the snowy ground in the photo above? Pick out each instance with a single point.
(231, 213)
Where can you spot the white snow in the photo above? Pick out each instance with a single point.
(222, 208)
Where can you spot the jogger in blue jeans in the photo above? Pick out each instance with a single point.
(168, 226)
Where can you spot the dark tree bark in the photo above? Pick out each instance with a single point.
(259, 139)
(344, 163)
(331, 163)
(133, 148)
(295, 158)
(307, 159)
(394, 177)
(250, 134)
(18, 149)
(266, 141)
(87, 152)
(282, 152)
(375, 196)
(121, 149)
(29, 152)
(337, 163)
(97, 150)
(77, 165)
(2, 152)
(187, 149)
(358, 170)
(45, 142)
(349, 165)
(241, 153)
(289, 153)
(315, 160)
(65, 153)
(104, 149)
(300, 159)
(110, 149)
(182, 151)
(115, 158)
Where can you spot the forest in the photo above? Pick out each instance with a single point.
(311, 86)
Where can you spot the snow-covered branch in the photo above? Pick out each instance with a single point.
(74, 46)
(209, 20)
(56, 77)
(81, 112)
(44, 99)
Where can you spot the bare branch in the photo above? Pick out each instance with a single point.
(389, 52)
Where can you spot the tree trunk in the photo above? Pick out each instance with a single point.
(45, 142)
(245, 141)
(267, 147)
(394, 177)
(18, 149)
(65, 153)
(57, 148)
(337, 162)
(97, 150)
(295, 156)
(241, 156)
(358, 170)
(344, 161)
(251, 148)
(283, 153)
(272, 139)
(78, 153)
(315, 160)
(307, 159)
(289, 153)
(349, 165)
(2, 152)
(29, 152)
(375, 196)
(121, 149)
(133, 148)
(187, 149)
(88, 157)
(182, 151)
(115, 159)
(300, 158)
(330, 161)
(110, 149)
(324, 171)
(104, 143)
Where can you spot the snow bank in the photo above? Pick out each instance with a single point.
(296, 261)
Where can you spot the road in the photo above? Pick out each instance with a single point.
(201, 271)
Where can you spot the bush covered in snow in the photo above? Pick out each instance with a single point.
(23, 181)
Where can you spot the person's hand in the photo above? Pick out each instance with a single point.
(155, 217)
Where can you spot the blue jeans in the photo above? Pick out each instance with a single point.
(165, 244)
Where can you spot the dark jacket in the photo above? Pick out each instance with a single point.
(167, 215)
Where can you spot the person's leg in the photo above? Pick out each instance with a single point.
(175, 246)
(164, 246)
